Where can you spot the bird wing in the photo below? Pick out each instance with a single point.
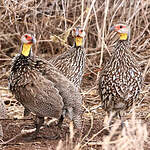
(42, 97)
(62, 61)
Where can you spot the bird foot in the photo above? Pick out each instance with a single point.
(34, 137)
(55, 137)
(30, 138)
(59, 125)
(122, 124)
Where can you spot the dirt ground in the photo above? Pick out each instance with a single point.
(93, 123)
(13, 127)
(52, 21)
(90, 138)
(41, 143)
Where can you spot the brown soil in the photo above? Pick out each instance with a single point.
(47, 20)
(13, 127)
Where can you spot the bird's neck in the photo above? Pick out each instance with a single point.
(26, 49)
(79, 42)
(123, 36)
(123, 42)
(121, 48)
(75, 46)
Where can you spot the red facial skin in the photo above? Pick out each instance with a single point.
(118, 27)
(79, 32)
(28, 38)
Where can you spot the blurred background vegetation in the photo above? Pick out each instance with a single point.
(52, 21)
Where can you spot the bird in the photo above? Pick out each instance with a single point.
(71, 63)
(120, 81)
(42, 89)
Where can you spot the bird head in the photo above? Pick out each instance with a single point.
(79, 34)
(123, 30)
(27, 40)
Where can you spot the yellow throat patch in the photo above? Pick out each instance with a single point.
(79, 41)
(123, 36)
(26, 49)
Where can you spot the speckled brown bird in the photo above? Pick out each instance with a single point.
(42, 89)
(120, 81)
(71, 63)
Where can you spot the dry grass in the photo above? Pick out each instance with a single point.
(51, 21)
(133, 136)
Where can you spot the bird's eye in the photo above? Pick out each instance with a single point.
(26, 36)
(81, 31)
(121, 26)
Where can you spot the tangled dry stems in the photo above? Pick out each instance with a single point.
(132, 137)
(52, 21)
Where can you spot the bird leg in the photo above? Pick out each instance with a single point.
(60, 121)
(26, 112)
(113, 115)
(122, 122)
(38, 123)
(117, 115)
(59, 124)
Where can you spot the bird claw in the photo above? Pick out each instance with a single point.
(122, 124)
(51, 137)
(30, 138)
(34, 137)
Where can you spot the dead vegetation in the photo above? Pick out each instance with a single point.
(51, 21)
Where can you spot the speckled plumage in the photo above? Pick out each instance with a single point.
(120, 81)
(33, 90)
(71, 63)
(43, 90)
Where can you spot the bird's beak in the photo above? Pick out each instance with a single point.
(79, 41)
(33, 40)
(77, 32)
(112, 29)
